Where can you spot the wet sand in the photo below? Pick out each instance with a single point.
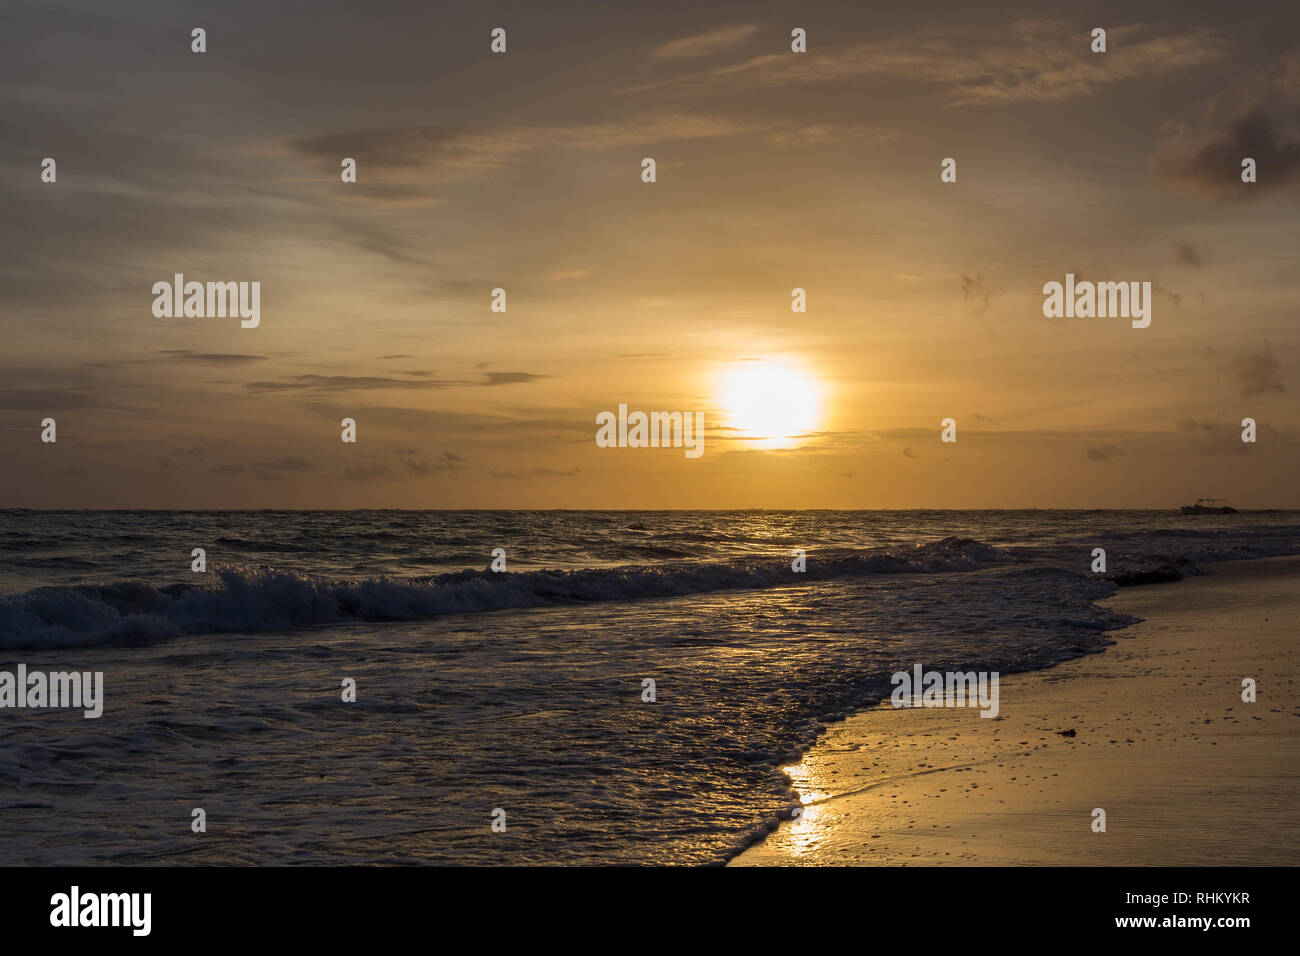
(1187, 773)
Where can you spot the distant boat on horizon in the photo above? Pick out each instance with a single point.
(1209, 506)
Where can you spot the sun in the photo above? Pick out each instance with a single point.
(770, 401)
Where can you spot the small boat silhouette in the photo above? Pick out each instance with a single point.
(1209, 506)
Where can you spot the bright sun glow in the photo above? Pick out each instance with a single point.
(773, 402)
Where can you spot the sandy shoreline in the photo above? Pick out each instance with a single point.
(1187, 773)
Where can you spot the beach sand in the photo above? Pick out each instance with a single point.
(1187, 773)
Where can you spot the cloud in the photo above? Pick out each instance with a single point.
(1254, 372)
(511, 378)
(1257, 117)
(45, 399)
(287, 463)
(828, 134)
(1103, 452)
(535, 473)
(212, 358)
(1212, 169)
(517, 427)
(1215, 438)
(448, 462)
(227, 470)
(1189, 253)
(1174, 297)
(397, 195)
(182, 355)
(704, 44)
(1035, 61)
(894, 434)
(424, 153)
(975, 294)
(343, 383)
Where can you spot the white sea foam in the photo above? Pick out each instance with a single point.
(251, 600)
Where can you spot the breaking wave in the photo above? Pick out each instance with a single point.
(264, 599)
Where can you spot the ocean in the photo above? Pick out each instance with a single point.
(515, 696)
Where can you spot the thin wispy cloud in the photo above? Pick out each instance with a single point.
(1047, 61)
(511, 378)
(423, 153)
(535, 473)
(705, 44)
(347, 383)
(341, 383)
(288, 463)
(217, 358)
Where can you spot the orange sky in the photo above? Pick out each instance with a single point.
(522, 170)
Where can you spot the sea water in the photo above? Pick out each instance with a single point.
(519, 696)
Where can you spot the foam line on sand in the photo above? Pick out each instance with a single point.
(1187, 773)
